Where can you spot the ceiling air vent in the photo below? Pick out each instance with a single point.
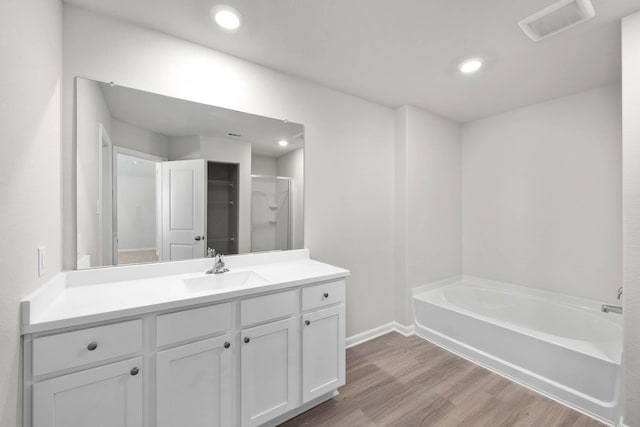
(557, 17)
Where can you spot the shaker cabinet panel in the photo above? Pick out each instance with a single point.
(106, 396)
(269, 371)
(323, 352)
(195, 384)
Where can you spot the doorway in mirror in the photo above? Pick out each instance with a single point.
(222, 207)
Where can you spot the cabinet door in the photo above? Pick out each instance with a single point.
(323, 353)
(195, 384)
(269, 371)
(107, 396)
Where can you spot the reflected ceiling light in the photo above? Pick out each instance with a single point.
(283, 143)
(470, 66)
(227, 17)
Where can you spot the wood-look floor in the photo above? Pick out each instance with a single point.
(398, 381)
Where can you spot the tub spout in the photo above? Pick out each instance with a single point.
(606, 308)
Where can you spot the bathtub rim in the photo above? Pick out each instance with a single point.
(557, 298)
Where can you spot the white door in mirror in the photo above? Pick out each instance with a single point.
(183, 199)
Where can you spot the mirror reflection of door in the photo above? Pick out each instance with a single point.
(183, 210)
(137, 208)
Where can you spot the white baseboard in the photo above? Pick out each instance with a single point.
(379, 331)
(407, 331)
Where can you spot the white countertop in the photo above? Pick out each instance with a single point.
(77, 297)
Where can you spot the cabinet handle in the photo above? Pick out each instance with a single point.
(326, 295)
(307, 322)
(246, 340)
(227, 344)
(92, 346)
(134, 371)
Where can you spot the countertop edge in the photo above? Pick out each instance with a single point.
(46, 326)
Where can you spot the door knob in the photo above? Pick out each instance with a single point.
(198, 238)
(307, 322)
(247, 339)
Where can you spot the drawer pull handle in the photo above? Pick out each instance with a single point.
(92, 346)
(134, 371)
(227, 344)
(326, 295)
(307, 322)
(246, 340)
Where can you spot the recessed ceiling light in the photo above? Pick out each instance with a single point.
(227, 17)
(470, 66)
(283, 143)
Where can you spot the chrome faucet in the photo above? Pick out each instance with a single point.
(606, 308)
(218, 266)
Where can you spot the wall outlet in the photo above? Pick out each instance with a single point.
(41, 260)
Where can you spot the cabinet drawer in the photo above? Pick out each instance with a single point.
(195, 323)
(267, 307)
(71, 349)
(321, 295)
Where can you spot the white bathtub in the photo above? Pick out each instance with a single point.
(561, 346)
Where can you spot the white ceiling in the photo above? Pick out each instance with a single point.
(404, 51)
(177, 117)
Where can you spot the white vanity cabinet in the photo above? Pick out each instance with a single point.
(323, 339)
(269, 371)
(250, 358)
(78, 380)
(269, 352)
(105, 396)
(195, 384)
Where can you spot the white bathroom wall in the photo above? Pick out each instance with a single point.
(428, 203)
(348, 142)
(541, 192)
(92, 111)
(292, 165)
(263, 165)
(184, 147)
(136, 138)
(31, 43)
(631, 200)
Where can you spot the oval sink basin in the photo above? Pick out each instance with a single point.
(234, 279)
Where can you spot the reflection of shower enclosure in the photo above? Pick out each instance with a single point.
(270, 213)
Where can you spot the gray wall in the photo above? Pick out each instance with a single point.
(30, 42)
(542, 195)
(427, 205)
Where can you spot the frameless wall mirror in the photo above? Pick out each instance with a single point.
(164, 179)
